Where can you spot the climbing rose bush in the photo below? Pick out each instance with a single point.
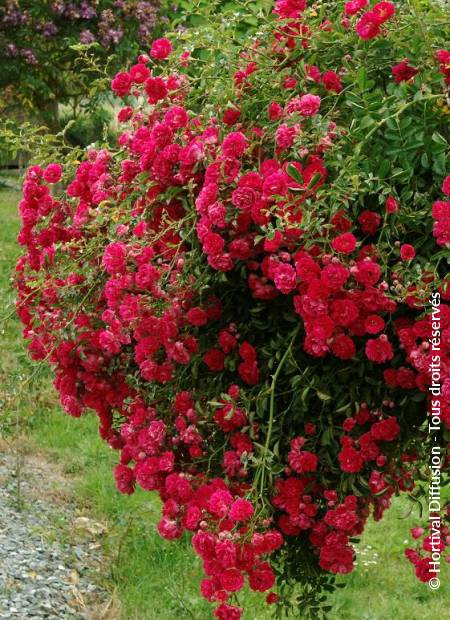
(241, 291)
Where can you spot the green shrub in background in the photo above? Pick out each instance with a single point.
(86, 128)
(52, 53)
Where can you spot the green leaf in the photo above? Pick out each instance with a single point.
(294, 173)
(361, 78)
(424, 160)
(323, 396)
(436, 137)
(316, 178)
(366, 121)
(384, 168)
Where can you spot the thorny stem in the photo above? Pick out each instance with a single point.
(396, 114)
(272, 405)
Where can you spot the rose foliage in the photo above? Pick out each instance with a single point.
(241, 291)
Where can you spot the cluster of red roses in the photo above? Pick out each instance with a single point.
(432, 540)
(441, 215)
(369, 25)
(443, 58)
(138, 287)
(213, 509)
(299, 496)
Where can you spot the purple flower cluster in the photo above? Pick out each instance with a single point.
(47, 29)
(69, 10)
(13, 17)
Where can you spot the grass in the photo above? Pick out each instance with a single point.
(15, 365)
(154, 579)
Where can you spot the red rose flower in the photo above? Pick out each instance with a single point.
(332, 81)
(383, 11)
(139, 73)
(261, 578)
(368, 26)
(370, 222)
(249, 372)
(275, 111)
(213, 243)
(156, 89)
(343, 347)
(344, 243)
(391, 205)
(353, 7)
(403, 71)
(231, 116)
(379, 350)
(228, 612)
(124, 477)
(197, 317)
(407, 252)
(161, 49)
(53, 173)
(385, 430)
(350, 460)
(121, 84)
(215, 360)
(374, 324)
(446, 186)
(232, 580)
(241, 510)
(234, 144)
(367, 272)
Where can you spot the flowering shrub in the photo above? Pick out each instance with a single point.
(242, 291)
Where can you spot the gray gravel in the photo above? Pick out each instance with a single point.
(48, 554)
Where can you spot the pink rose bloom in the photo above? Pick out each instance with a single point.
(441, 210)
(161, 49)
(353, 7)
(309, 105)
(121, 84)
(368, 27)
(285, 136)
(53, 173)
(125, 114)
(383, 11)
(139, 73)
(234, 144)
(285, 278)
(241, 510)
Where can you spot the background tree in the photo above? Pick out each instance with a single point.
(55, 52)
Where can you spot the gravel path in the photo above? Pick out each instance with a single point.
(49, 555)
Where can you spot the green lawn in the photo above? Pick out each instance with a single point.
(154, 579)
